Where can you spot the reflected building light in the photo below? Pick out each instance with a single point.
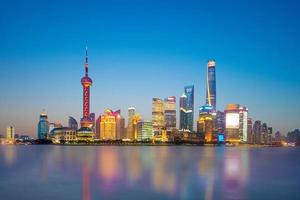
(158, 176)
(171, 183)
(86, 194)
(134, 166)
(10, 155)
(206, 169)
(108, 164)
(161, 175)
(206, 163)
(209, 189)
(236, 173)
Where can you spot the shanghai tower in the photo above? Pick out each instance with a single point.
(211, 84)
(86, 82)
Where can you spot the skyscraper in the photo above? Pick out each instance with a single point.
(219, 123)
(130, 131)
(120, 125)
(257, 132)
(189, 92)
(232, 121)
(182, 117)
(108, 125)
(244, 123)
(211, 84)
(157, 115)
(264, 133)
(86, 82)
(72, 123)
(170, 113)
(136, 118)
(131, 113)
(10, 134)
(43, 126)
(249, 131)
(205, 123)
(144, 129)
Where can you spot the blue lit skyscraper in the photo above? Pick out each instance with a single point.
(189, 92)
(211, 84)
(43, 126)
(182, 118)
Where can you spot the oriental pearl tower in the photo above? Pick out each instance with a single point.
(86, 83)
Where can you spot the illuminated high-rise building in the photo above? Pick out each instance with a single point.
(189, 92)
(243, 123)
(232, 123)
(144, 129)
(182, 117)
(72, 123)
(170, 113)
(43, 126)
(108, 125)
(236, 123)
(107, 121)
(131, 113)
(120, 125)
(211, 84)
(136, 118)
(130, 131)
(205, 123)
(157, 115)
(10, 134)
(219, 123)
(86, 82)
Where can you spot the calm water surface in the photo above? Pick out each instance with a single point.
(160, 172)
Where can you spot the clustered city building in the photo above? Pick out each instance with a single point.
(233, 125)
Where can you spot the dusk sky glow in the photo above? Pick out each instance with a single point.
(142, 49)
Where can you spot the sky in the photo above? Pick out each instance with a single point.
(141, 49)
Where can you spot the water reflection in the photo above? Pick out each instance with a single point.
(206, 170)
(9, 154)
(109, 172)
(235, 173)
(108, 164)
(86, 194)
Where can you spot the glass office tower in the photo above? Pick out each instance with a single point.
(211, 84)
(43, 126)
(189, 92)
(182, 117)
(170, 113)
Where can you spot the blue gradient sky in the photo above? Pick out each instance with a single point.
(142, 49)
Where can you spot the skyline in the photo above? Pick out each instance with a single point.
(57, 66)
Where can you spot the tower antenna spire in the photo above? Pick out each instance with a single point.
(86, 60)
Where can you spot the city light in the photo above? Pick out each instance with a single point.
(232, 120)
